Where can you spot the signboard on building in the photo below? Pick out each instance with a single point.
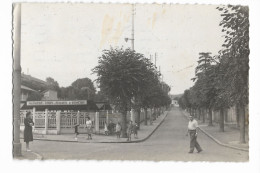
(40, 103)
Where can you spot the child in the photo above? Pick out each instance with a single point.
(76, 125)
(105, 129)
(129, 131)
(89, 128)
(135, 130)
(118, 130)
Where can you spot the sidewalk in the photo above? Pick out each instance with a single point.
(228, 138)
(29, 156)
(144, 133)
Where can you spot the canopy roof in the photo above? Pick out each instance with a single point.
(76, 105)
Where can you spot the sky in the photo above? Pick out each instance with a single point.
(64, 40)
(65, 77)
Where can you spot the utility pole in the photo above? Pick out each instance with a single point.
(155, 58)
(133, 26)
(17, 146)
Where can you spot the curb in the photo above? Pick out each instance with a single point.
(217, 141)
(38, 156)
(220, 143)
(142, 140)
(136, 141)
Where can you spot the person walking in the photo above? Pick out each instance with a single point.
(193, 131)
(118, 130)
(76, 125)
(105, 129)
(28, 136)
(111, 127)
(135, 130)
(89, 128)
(129, 130)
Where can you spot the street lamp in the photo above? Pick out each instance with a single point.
(126, 40)
(132, 39)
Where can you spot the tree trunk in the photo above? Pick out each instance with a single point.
(210, 117)
(204, 111)
(221, 120)
(199, 113)
(237, 116)
(225, 115)
(242, 124)
(145, 116)
(138, 117)
(124, 123)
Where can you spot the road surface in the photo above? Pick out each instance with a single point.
(168, 143)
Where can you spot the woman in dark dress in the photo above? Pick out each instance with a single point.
(28, 123)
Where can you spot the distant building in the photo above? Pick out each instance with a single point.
(31, 84)
(25, 92)
(175, 103)
(174, 99)
(50, 95)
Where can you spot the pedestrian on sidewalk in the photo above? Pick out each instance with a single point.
(135, 130)
(76, 125)
(89, 128)
(193, 131)
(111, 127)
(129, 130)
(105, 129)
(118, 130)
(28, 136)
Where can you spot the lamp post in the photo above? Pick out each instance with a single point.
(17, 146)
(133, 36)
(132, 40)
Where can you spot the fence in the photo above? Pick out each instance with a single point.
(64, 122)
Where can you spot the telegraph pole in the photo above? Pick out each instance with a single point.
(133, 26)
(133, 48)
(17, 146)
(155, 58)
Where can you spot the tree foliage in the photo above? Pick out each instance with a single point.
(129, 80)
(222, 80)
(81, 89)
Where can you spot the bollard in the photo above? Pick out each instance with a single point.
(46, 121)
(33, 113)
(58, 121)
(132, 115)
(97, 122)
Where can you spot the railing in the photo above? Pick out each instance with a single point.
(70, 118)
(39, 119)
(22, 116)
(51, 120)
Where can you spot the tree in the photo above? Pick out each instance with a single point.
(81, 89)
(205, 75)
(52, 84)
(35, 96)
(235, 57)
(84, 89)
(121, 75)
(101, 97)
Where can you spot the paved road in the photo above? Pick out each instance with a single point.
(167, 143)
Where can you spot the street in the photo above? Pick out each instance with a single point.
(168, 143)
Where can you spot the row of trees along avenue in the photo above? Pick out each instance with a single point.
(221, 81)
(130, 80)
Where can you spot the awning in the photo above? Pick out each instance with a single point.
(75, 105)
